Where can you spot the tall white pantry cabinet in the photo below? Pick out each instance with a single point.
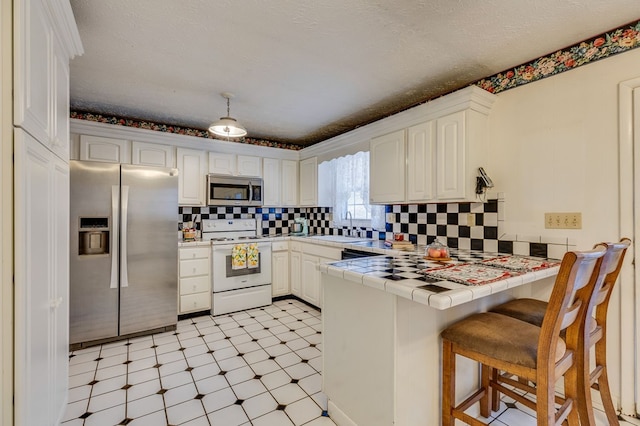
(45, 39)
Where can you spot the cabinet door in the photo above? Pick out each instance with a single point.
(249, 166)
(280, 273)
(296, 260)
(108, 150)
(387, 168)
(33, 69)
(421, 169)
(60, 102)
(222, 164)
(150, 154)
(309, 182)
(60, 286)
(311, 281)
(289, 183)
(191, 176)
(38, 279)
(271, 180)
(451, 157)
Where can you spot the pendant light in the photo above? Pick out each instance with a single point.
(227, 126)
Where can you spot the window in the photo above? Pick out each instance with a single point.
(343, 183)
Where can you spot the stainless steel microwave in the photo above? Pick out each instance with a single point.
(223, 190)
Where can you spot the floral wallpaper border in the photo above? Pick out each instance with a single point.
(610, 43)
(167, 128)
(600, 47)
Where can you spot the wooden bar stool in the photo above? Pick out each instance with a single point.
(537, 354)
(533, 311)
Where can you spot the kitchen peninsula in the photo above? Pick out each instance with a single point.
(382, 318)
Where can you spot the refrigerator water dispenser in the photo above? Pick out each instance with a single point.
(93, 236)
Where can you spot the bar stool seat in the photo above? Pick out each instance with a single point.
(501, 337)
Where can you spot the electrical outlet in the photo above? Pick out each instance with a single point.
(471, 219)
(563, 220)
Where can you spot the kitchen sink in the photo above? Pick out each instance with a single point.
(338, 238)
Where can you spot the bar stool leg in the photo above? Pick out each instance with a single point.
(486, 400)
(583, 402)
(448, 383)
(603, 382)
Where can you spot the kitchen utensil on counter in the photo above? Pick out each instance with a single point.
(300, 227)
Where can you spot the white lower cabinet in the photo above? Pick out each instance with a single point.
(280, 268)
(194, 284)
(305, 276)
(295, 258)
(41, 283)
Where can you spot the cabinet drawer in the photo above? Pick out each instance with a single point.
(195, 284)
(194, 253)
(195, 302)
(280, 246)
(190, 268)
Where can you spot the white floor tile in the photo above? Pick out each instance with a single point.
(204, 371)
(232, 363)
(219, 399)
(143, 406)
(79, 393)
(239, 375)
(288, 359)
(85, 367)
(211, 384)
(108, 385)
(275, 379)
(200, 421)
(75, 410)
(107, 400)
(232, 415)
(288, 394)
(180, 394)
(321, 421)
(173, 368)
(259, 405)
(153, 419)
(303, 411)
(143, 389)
(248, 389)
(311, 384)
(111, 416)
(274, 418)
(175, 380)
(143, 376)
(300, 371)
(184, 412)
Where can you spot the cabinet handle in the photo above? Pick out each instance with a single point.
(194, 270)
(55, 303)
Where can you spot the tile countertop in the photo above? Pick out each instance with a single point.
(408, 275)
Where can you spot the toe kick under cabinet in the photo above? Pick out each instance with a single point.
(194, 279)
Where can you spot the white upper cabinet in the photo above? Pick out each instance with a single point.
(222, 164)
(387, 168)
(33, 69)
(451, 157)
(249, 166)
(151, 154)
(235, 165)
(45, 39)
(192, 167)
(108, 150)
(439, 160)
(289, 183)
(421, 176)
(309, 182)
(271, 177)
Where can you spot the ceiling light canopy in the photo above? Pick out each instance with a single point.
(227, 126)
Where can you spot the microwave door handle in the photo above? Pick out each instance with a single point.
(250, 192)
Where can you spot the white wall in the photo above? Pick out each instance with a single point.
(554, 148)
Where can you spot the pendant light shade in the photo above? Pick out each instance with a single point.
(227, 126)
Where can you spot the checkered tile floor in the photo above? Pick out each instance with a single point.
(258, 367)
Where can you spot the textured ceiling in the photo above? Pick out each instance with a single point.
(304, 71)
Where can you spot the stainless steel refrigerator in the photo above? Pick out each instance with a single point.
(124, 250)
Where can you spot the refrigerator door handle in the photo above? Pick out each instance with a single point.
(124, 275)
(115, 207)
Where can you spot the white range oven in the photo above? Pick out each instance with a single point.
(238, 283)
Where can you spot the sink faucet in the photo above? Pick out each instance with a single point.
(350, 217)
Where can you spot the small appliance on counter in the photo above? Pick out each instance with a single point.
(299, 227)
